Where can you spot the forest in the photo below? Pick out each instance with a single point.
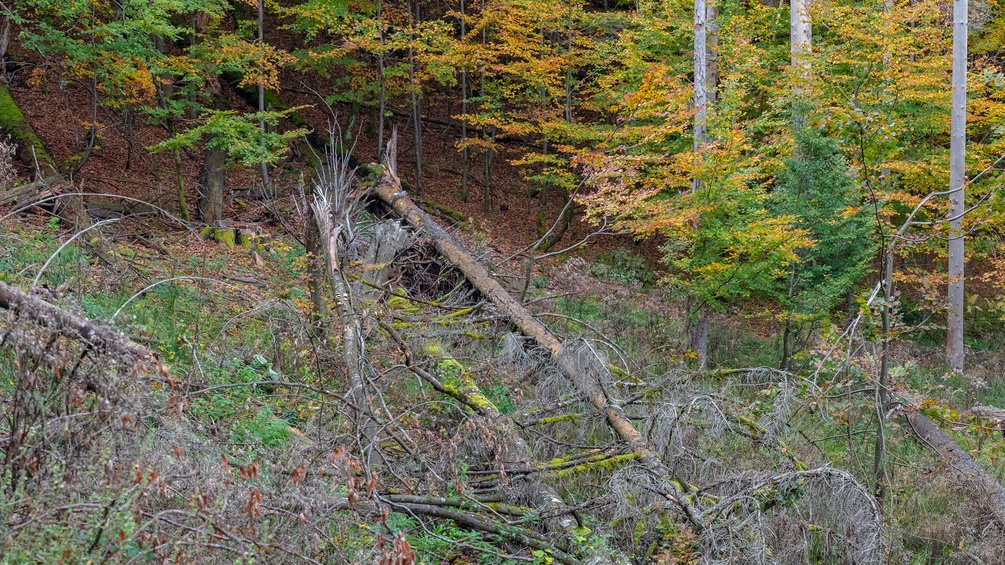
(464, 282)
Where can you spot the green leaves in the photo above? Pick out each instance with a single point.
(238, 135)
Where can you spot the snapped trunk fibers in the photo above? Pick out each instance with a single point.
(388, 189)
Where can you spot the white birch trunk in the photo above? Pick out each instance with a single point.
(801, 45)
(957, 173)
(700, 84)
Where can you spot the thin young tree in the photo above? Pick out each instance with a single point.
(261, 98)
(957, 170)
(464, 113)
(413, 21)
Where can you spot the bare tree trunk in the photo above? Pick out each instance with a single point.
(416, 109)
(882, 395)
(98, 338)
(800, 33)
(957, 173)
(699, 326)
(486, 152)
(711, 50)
(568, 68)
(985, 490)
(464, 112)
(214, 180)
(352, 334)
(700, 83)
(266, 185)
(383, 85)
(4, 46)
(699, 335)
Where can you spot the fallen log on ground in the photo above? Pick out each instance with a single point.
(720, 537)
(99, 339)
(987, 491)
(388, 189)
(29, 192)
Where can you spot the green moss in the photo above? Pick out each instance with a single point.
(456, 379)
(441, 209)
(222, 235)
(399, 302)
(12, 122)
(561, 418)
(606, 464)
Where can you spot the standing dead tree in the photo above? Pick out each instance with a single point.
(335, 211)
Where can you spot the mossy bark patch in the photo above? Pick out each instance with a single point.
(13, 123)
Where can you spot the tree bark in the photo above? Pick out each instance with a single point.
(464, 113)
(383, 83)
(266, 185)
(985, 490)
(100, 339)
(957, 172)
(214, 180)
(700, 83)
(416, 109)
(800, 33)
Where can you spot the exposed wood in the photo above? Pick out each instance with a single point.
(28, 192)
(986, 491)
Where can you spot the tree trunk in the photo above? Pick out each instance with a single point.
(416, 109)
(486, 152)
(699, 336)
(711, 50)
(389, 190)
(98, 338)
(957, 172)
(985, 490)
(214, 180)
(383, 86)
(699, 328)
(700, 83)
(800, 33)
(4, 46)
(266, 185)
(464, 113)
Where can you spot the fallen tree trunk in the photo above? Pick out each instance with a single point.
(988, 492)
(29, 192)
(99, 339)
(388, 189)
(720, 538)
